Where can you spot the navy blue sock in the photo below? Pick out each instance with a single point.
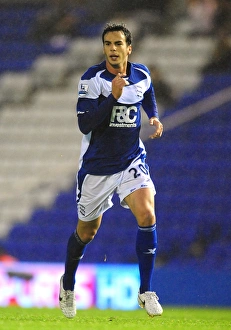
(146, 244)
(75, 252)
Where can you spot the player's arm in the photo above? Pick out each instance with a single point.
(91, 114)
(150, 107)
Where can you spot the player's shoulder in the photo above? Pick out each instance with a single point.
(141, 67)
(93, 70)
(140, 72)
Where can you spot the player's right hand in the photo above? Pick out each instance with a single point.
(118, 84)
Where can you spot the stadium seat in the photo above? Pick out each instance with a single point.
(16, 87)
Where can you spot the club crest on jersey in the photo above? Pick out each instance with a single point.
(139, 91)
(83, 89)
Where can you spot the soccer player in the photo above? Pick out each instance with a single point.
(112, 160)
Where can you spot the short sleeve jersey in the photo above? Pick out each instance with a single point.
(111, 127)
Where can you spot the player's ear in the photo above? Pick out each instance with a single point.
(129, 49)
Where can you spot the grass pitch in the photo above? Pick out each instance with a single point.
(15, 318)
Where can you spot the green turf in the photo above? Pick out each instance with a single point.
(14, 318)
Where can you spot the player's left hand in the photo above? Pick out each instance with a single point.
(159, 128)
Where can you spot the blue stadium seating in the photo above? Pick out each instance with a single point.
(190, 166)
(17, 51)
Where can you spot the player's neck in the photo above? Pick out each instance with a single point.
(115, 70)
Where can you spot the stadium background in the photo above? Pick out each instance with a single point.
(190, 164)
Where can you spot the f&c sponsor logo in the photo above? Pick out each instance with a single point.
(123, 116)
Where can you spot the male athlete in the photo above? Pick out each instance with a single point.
(110, 96)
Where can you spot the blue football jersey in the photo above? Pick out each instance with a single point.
(111, 127)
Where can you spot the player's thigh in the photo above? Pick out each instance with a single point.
(141, 203)
(95, 195)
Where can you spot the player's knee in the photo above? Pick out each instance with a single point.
(87, 235)
(146, 219)
(87, 230)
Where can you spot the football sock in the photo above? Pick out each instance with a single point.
(75, 252)
(146, 244)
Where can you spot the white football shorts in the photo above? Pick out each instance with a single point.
(97, 191)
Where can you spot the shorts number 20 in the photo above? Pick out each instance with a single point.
(135, 170)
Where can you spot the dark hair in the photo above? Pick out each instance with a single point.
(111, 27)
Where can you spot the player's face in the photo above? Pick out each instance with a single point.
(116, 51)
